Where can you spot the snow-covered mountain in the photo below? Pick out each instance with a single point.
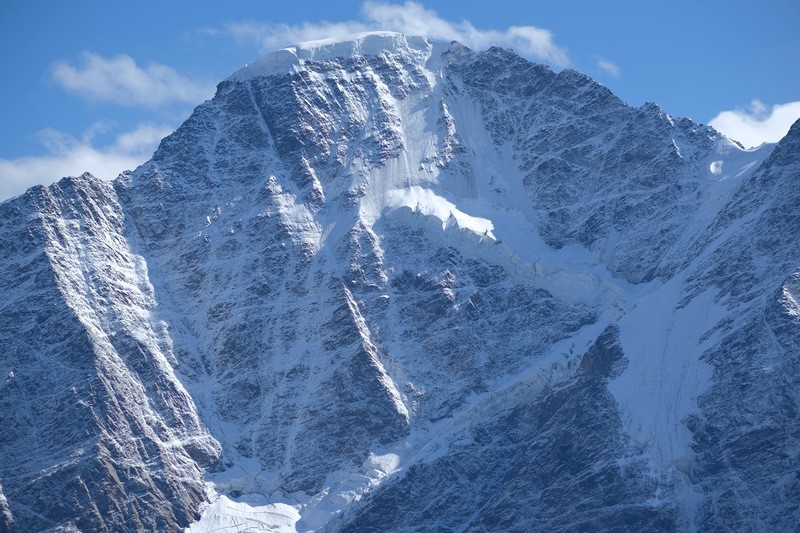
(387, 284)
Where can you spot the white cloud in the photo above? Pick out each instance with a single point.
(69, 156)
(608, 66)
(268, 37)
(120, 80)
(411, 18)
(757, 123)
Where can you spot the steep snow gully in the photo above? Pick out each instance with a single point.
(384, 283)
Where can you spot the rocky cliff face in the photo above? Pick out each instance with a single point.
(389, 284)
(97, 430)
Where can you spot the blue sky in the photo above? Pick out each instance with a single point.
(94, 85)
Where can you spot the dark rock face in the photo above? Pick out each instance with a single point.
(749, 424)
(555, 461)
(97, 432)
(593, 168)
(408, 289)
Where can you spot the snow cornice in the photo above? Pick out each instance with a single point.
(367, 44)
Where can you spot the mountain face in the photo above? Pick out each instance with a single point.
(387, 284)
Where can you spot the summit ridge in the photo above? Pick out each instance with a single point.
(360, 44)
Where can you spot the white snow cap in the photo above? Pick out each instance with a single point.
(360, 44)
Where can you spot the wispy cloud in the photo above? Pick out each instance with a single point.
(608, 66)
(120, 80)
(757, 123)
(411, 18)
(70, 156)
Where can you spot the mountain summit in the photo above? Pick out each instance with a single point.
(384, 284)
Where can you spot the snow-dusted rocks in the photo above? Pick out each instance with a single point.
(294, 58)
(385, 283)
(97, 431)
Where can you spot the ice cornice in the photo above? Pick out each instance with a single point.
(367, 44)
